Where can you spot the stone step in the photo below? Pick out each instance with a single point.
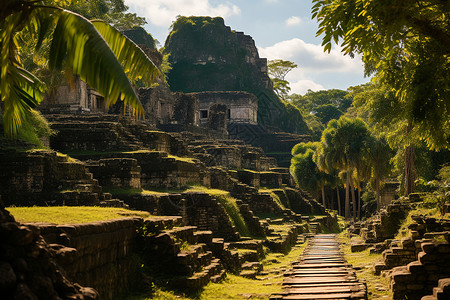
(156, 224)
(184, 233)
(321, 273)
(219, 277)
(205, 237)
(252, 266)
(248, 255)
(250, 274)
(113, 203)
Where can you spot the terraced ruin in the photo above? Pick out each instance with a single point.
(200, 200)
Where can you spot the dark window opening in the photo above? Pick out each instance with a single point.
(204, 114)
(228, 114)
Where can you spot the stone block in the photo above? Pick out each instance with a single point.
(416, 267)
(428, 247)
(358, 247)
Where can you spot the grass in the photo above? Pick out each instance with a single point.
(128, 192)
(236, 287)
(185, 159)
(404, 231)
(71, 214)
(377, 286)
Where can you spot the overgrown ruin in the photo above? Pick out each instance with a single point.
(210, 164)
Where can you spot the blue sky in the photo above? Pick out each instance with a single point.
(282, 29)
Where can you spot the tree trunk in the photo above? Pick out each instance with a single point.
(410, 172)
(347, 197)
(338, 201)
(359, 200)
(377, 188)
(322, 187)
(353, 200)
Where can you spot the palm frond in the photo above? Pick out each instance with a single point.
(78, 43)
(134, 61)
(20, 90)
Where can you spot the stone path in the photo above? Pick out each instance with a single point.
(321, 272)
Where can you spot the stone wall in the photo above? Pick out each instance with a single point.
(217, 117)
(418, 278)
(385, 224)
(42, 177)
(27, 266)
(92, 133)
(97, 254)
(186, 110)
(158, 102)
(400, 253)
(242, 106)
(206, 213)
(118, 172)
(74, 97)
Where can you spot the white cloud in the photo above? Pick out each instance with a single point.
(163, 12)
(271, 1)
(313, 63)
(303, 85)
(311, 57)
(292, 21)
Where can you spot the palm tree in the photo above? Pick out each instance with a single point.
(342, 146)
(98, 53)
(380, 155)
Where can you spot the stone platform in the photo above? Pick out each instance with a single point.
(321, 272)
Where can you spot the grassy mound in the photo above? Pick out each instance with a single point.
(71, 214)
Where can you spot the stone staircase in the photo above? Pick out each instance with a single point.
(92, 132)
(441, 292)
(182, 255)
(321, 273)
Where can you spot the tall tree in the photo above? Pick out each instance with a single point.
(278, 69)
(342, 144)
(386, 114)
(305, 171)
(95, 51)
(407, 45)
(380, 155)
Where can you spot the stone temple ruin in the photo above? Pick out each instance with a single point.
(209, 194)
(199, 164)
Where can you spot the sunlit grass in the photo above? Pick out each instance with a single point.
(404, 231)
(71, 214)
(377, 286)
(236, 287)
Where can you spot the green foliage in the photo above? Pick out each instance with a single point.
(141, 37)
(35, 129)
(278, 69)
(311, 100)
(293, 121)
(111, 11)
(369, 202)
(327, 112)
(344, 147)
(76, 43)
(232, 210)
(376, 104)
(407, 45)
(318, 108)
(305, 170)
